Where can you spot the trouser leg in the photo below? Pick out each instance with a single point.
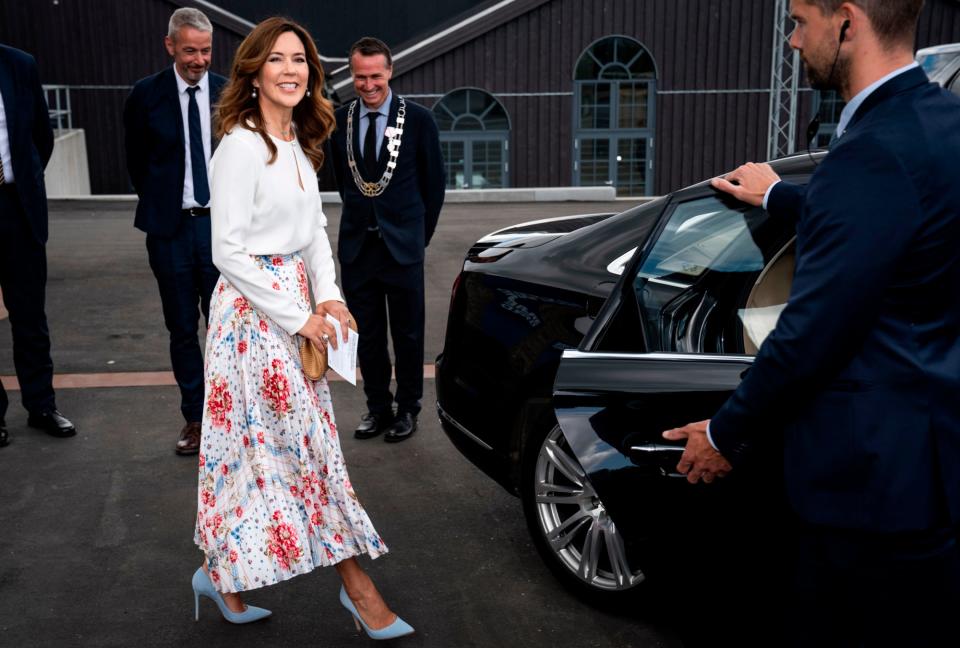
(405, 301)
(206, 274)
(23, 280)
(366, 300)
(909, 592)
(4, 403)
(864, 590)
(172, 262)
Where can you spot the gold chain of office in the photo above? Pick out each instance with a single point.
(374, 189)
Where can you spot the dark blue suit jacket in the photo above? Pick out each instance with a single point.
(408, 210)
(31, 138)
(153, 135)
(862, 372)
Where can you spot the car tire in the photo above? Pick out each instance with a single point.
(567, 520)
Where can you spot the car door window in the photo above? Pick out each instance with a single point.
(714, 281)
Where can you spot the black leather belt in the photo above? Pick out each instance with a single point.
(196, 211)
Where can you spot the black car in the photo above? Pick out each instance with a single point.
(573, 343)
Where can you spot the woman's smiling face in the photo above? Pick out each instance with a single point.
(282, 80)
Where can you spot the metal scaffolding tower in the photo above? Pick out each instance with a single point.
(784, 79)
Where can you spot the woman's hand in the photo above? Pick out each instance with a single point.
(338, 310)
(319, 331)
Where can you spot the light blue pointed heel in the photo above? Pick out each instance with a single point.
(398, 628)
(203, 587)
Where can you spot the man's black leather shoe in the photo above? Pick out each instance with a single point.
(4, 436)
(52, 422)
(373, 424)
(402, 429)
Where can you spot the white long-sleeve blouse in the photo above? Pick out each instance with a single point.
(259, 208)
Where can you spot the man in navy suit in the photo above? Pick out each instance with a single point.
(169, 143)
(861, 375)
(26, 143)
(389, 169)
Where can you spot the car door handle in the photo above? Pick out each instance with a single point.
(652, 456)
(657, 447)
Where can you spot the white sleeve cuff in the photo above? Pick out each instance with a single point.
(710, 438)
(766, 197)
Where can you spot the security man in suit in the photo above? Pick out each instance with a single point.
(168, 139)
(26, 143)
(861, 375)
(389, 170)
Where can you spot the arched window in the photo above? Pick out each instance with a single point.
(615, 81)
(474, 137)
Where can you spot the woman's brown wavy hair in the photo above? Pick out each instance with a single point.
(313, 116)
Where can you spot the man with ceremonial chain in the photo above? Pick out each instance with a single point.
(389, 169)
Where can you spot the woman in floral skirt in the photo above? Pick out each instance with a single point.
(274, 499)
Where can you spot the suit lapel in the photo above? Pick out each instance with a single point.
(172, 97)
(901, 83)
(7, 90)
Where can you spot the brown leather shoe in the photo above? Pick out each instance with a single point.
(189, 442)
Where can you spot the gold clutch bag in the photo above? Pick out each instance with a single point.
(314, 359)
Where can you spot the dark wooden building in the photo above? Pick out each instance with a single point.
(647, 95)
(92, 52)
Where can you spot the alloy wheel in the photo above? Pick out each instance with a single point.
(575, 523)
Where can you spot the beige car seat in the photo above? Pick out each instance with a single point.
(768, 296)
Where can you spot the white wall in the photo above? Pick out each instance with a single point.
(67, 172)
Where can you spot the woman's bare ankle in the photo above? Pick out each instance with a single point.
(233, 601)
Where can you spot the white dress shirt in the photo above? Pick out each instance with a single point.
(5, 145)
(384, 112)
(259, 208)
(203, 103)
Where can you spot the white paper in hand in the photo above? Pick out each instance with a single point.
(343, 359)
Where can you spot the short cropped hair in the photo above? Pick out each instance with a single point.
(188, 17)
(894, 21)
(370, 46)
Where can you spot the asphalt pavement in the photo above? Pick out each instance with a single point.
(96, 532)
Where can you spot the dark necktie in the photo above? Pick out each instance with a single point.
(198, 160)
(370, 146)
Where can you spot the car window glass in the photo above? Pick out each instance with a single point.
(699, 290)
(701, 235)
(955, 85)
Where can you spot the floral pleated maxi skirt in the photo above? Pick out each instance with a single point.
(274, 497)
